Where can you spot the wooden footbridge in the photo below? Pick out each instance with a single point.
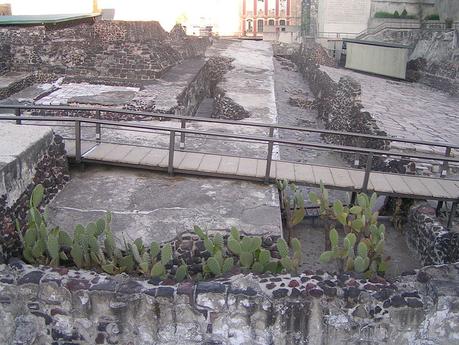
(176, 159)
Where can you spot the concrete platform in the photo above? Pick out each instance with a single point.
(20, 149)
(157, 207)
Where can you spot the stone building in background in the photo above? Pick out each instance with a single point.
(273, 20)
(5, 10)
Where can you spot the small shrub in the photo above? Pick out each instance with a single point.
(432, 17)
(396, 14)
(404, 13)
(382, 14)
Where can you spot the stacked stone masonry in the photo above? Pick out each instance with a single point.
(338, 104)
(107, 49)
(57, 306)
(434, 243)
(50, 170)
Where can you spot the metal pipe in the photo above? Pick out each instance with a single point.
(17, 112)
(98, 127)
(366, 178)
(444, 169)
(78, 141)
(182, 134)
(260, 139)
(452, 214)
(237, 123)
(270, 156)
(170, 168)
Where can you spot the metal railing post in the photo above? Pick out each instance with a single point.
(443, 174)
(445, 166)
(366, 178)
(17, 112)
(78, 141)
(452, 214)
(170, 168)
(182, 134)
(98, 128)
(356, 160)
(270, 155)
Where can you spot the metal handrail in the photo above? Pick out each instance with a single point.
(185, 119)
(269, 139)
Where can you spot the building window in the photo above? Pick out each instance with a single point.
(249, 25)
(282, 22)
(271, 22)
(260, 25)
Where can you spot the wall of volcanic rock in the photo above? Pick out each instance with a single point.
(107, 49)
(339, 106)
(43, 162)
(65, 306)
(434, 243)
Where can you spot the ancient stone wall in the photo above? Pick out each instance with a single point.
(44, 163)
(18, 85)
(5, 58)
(435, 61)
(433, 243)
(57, 306)
(108, 49)
(338, 104)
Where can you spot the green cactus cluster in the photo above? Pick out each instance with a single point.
(247, 252)
(94, 247)
(292, 203)
(40, 245)
(362, 248)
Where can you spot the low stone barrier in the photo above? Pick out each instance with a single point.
(433, 243)
(56, 306)
(339, 104)
(41, 162)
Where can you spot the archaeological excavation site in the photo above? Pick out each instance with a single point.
(266, 172)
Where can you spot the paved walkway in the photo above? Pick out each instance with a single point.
(407, 110)
(255, 169)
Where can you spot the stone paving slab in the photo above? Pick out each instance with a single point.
(407, 110)
(157, 207)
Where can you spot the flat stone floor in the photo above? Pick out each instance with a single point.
(85, 93)
(157, 207)
(407, 110)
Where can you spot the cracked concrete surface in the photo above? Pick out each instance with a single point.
(157, 207)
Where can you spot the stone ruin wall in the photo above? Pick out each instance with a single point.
(56, 306)
(106, 49)
(338, 104)
(433, 242)
(435, 61)
(43, 163)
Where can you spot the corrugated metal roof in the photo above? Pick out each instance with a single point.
(376, 43)
(44, 19)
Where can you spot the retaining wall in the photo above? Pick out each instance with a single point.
(338, 104)
(57, 306)
(434, 243)
(108, 49)
(29, 156)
